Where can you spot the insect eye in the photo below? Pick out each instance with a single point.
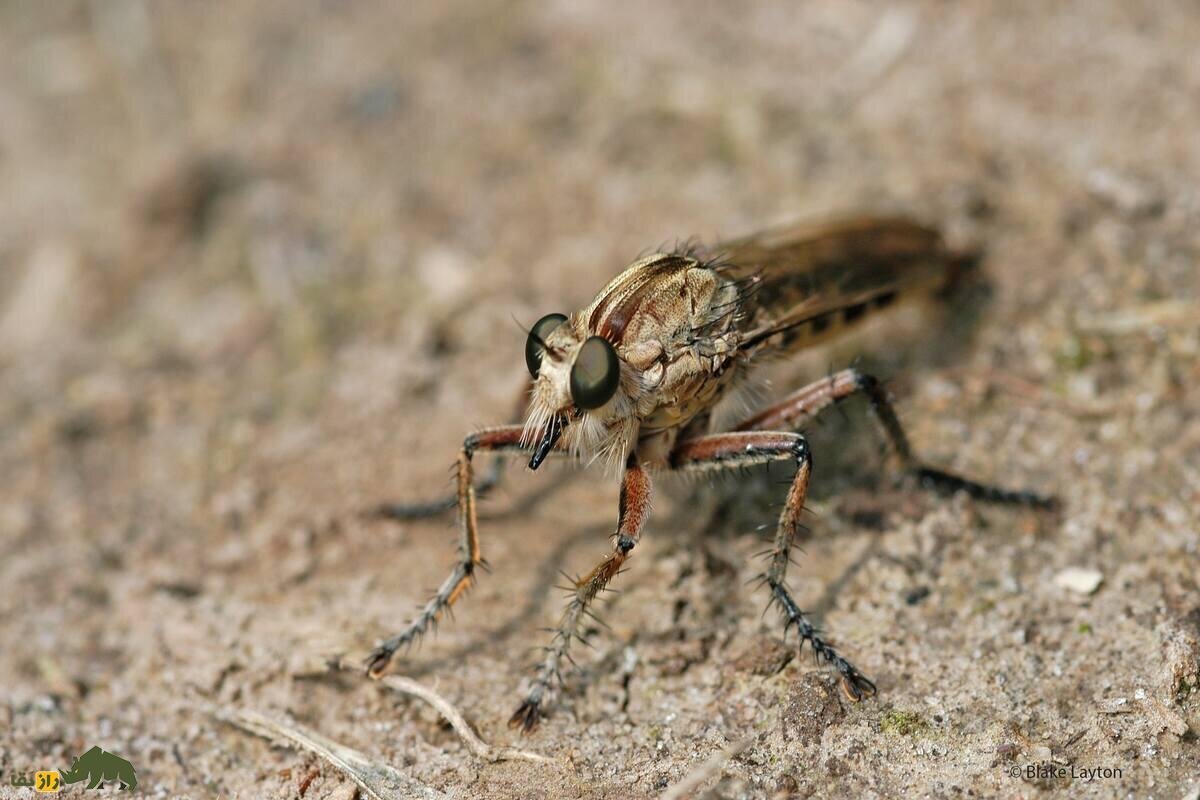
(596, 373)
(533, 345)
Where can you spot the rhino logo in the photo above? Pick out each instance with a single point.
(96, 766)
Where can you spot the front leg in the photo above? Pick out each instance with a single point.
(633, 512)
(503, 439)
(429, 508)
(811, 400)
(744, 449)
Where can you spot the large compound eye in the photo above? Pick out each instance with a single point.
(537, 335)
(596, 373)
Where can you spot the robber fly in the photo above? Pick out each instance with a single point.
(630, 381)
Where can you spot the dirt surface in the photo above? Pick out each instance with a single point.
(259, 266)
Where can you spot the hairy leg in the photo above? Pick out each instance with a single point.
(430, 508)
(747, 448)
(499, 440)
(816, 397)
(632, 515)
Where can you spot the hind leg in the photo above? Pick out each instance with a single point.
(808, 402)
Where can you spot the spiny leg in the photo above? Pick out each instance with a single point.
(430, 508)
(634, 510)
(814, 398)
(747, 448)
(501, 439)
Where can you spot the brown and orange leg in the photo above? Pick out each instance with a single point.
(430, 508)
(811, 400)
(499, 440)
(632, 515)
(749, 448)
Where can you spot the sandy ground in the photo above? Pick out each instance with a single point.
(259, 265)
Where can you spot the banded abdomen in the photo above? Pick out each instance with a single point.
(815, 282)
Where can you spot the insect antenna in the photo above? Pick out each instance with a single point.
(530, 333)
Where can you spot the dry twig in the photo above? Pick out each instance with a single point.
(701, 774)
(1137, 319)
(376, 780)
(480, 748)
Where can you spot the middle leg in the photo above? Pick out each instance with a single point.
(748, 448)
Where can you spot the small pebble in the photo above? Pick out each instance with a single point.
(1119, 705)
(1079, 580)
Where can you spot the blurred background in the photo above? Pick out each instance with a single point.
(259, 269)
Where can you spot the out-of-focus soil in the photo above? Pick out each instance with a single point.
(259, 266)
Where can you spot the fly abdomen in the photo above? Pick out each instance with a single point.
(817, 282)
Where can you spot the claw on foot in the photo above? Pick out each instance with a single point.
(377, 663)
(526, 717)
(856, 686)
